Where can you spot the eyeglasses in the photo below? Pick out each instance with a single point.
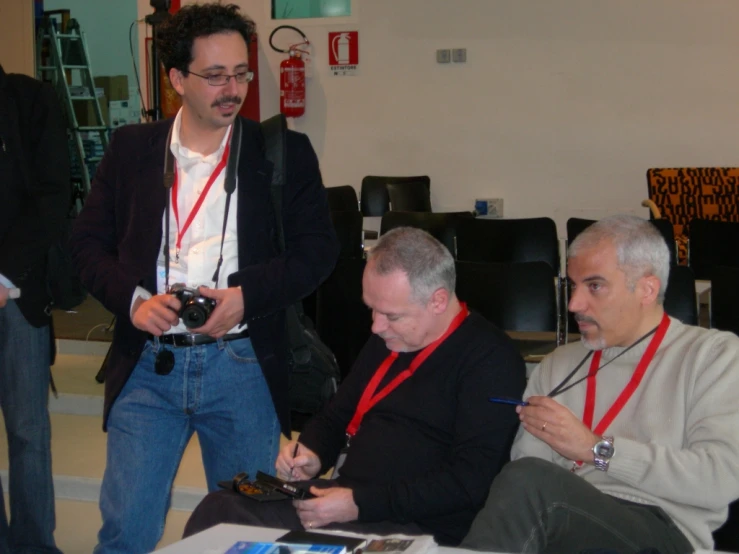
(222, 79)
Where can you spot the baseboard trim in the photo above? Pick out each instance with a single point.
(82, 347)
(87, 489)
(76, 404)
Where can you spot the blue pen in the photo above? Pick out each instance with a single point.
(504, 400)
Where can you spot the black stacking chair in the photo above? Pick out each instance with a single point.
(342, 199)
(375, 200)
(509, 240)
(513, 240)
(409, 197)
(576, 225)
(726, 537)
(711, 244)
(514, 296)
(441, 225)
(348, 227)
(343, 322)
(725, 316)
(681, 301)
(724, 313)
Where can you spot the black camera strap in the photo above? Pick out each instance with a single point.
(229, 185)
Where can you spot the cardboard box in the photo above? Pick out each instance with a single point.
(115, 87)
(85, 112)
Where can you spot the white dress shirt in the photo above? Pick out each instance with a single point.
(201, 242)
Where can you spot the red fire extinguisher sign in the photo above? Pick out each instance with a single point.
(343, 52)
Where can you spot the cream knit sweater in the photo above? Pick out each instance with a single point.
(677, 438)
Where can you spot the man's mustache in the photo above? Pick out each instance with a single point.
(226, 100)
(585, 319)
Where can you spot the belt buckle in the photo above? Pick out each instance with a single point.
(189, 339)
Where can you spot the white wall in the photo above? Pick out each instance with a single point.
(105, 24)
(560, 109)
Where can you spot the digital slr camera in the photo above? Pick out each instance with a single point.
(196, 308)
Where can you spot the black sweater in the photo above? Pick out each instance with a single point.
(427, 452)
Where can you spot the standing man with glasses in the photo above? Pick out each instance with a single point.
(630, 438)
(224, 377)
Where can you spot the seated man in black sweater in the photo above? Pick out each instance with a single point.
(421, 439)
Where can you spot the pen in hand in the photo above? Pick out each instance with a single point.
(295, 453)
(505, 400)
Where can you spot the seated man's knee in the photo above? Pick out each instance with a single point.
(529, 469)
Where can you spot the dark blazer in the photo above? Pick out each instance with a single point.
(117, 237)
(34, 187)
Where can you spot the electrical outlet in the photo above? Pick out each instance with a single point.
(489, 207)
(443, 56)
(495, 207)
(459, 55)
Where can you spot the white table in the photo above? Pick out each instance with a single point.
(221, 537)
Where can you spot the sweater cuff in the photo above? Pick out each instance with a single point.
(373, 503)
(630, 461)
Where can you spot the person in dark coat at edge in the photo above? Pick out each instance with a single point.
(35, 192)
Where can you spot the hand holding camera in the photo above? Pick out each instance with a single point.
(195, 308)
(212, 312)
(227, 310)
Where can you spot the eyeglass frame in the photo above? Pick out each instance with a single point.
(248, 77)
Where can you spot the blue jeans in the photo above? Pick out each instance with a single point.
(216, 390)
(24, 398)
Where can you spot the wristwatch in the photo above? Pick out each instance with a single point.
(603, 452)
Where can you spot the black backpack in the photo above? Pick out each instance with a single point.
(314, 371)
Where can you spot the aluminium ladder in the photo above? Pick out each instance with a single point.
(63, 59)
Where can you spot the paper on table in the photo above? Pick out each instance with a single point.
(393, 544)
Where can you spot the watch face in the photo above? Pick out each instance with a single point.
(603, 449)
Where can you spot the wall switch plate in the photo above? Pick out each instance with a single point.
(489, 207)
(459, 55)
(443, 56)
(495, 207)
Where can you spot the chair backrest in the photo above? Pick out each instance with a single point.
(725, 299)
(342, 199)
(343, 321)
(375, 200)
(348, 227)
(509, 240)
(712, 243)
(409, 197)
(684, 193)
(514, 296)
(681, 301)
(576, 225)
(441, 225)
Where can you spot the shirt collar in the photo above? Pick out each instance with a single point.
(187, 158)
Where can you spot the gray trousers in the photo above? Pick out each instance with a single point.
(537, 506)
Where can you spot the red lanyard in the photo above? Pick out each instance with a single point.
(201, 198)
(630, 387)
(369, 398)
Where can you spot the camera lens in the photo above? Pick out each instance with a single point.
(193, 316)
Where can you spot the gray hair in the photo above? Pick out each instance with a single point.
(428, 264)
(641, 249)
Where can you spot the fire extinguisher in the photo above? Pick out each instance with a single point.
(292, 76)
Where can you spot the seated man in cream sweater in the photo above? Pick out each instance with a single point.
(630, 438)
